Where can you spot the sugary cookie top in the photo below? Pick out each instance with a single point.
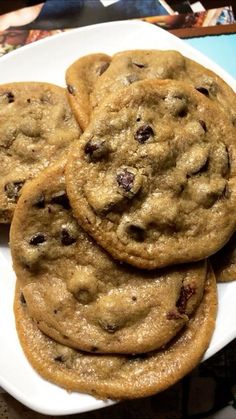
(128, 67)
(118, 376)
(78, 294)
(153, 177)
(36, 127)
(81, 78)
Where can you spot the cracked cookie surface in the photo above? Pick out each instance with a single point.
(118, 376)
(153, 178)
(36, 128)
(78, 294)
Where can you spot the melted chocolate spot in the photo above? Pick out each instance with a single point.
(125, 179)
(10, 97)
(185, 293)
(139, 65)
(183, 113)
(71, 89)
(37, 239)
(173, 315)
(22, 299)
(59, 358)
(203, 90)
(40, 202)
(61, 198)
(102, 68)
(203, 124)
(96, 149)
(66, 238)
(143, 134)
(110, 328)
(136, 232)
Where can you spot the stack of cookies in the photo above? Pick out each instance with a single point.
(115, 293)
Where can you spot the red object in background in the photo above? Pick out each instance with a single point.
(35, 35)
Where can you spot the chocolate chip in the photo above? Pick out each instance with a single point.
(203, 90)
(183, 113)
(37, 239)
(12, 190)
(136, 232)
(61, 198)
(203, 124)
(110, 328)
(90, 147)
(185, 293)
(143, 134)
(59, 358)
(55, 311)
(40, 202)
(22, 299)
(66, 238)
(71, 89)
(96, 149)
(139, 65)
(174, 315)
(29, 100)
(134, 298)
(102, 68)
(10, 97)
(125, 180)
(138, 119)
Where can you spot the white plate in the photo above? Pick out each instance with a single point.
(47, 60)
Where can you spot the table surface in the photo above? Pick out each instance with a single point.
(220, 48)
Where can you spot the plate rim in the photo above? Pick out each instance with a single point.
(97, 404)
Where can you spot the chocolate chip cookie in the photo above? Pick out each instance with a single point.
(118, 376)
(78, 294)
(36, 128)
(80, 78)
(224, 262)
(153, 178)
(91, 81)
(130, 66)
